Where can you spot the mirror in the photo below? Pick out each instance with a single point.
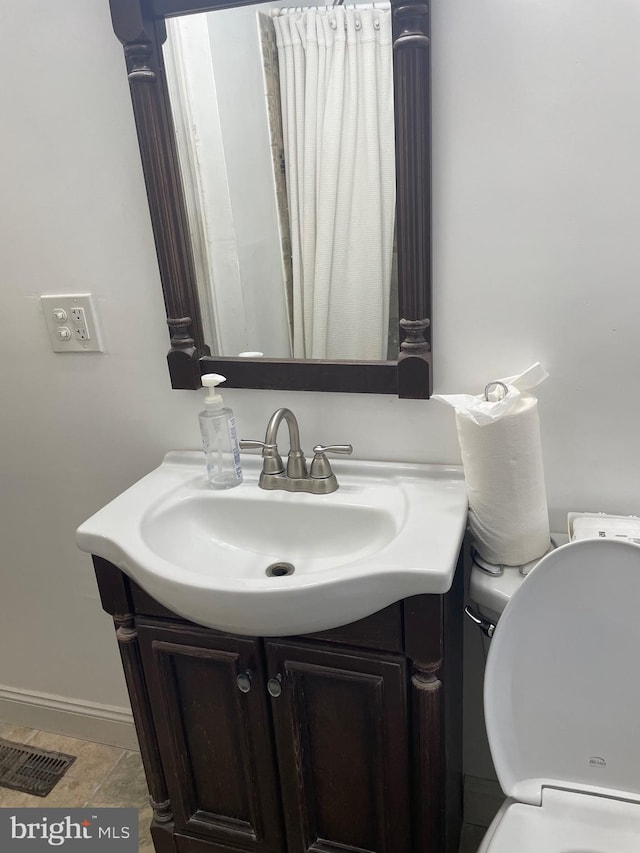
(285, 136)
(280, 246)
(291, 204)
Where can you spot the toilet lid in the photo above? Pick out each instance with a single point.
(562, 686)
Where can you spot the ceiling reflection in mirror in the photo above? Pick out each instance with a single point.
(284, 128)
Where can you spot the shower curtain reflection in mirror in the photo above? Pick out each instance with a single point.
(293, 239)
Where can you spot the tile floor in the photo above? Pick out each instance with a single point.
(101, 776)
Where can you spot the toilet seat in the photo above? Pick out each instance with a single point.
(566, 823)
(562, 704)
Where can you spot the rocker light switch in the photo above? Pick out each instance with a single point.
(71, 322)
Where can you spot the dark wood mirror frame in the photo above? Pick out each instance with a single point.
(140, 26)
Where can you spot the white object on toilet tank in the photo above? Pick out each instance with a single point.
(502, 459)
(598, 525)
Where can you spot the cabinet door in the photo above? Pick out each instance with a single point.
(215, 741)
(342, 746)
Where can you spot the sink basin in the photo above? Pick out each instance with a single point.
(268, 563)
(251, 532)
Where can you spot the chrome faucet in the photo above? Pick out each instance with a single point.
(320, 480)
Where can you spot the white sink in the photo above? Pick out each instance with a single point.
(390, 531)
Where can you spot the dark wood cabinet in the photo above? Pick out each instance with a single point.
(214, 739)
(347, 741)
(341, 732)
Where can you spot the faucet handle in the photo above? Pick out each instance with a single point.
(320, 466)
(251, 444)
(273, 463)
(333, 448)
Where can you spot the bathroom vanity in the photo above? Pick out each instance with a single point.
(293, 659)
(348, 739)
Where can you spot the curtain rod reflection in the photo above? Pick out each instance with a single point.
(288, 10)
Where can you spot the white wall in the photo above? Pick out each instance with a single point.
(536, 215)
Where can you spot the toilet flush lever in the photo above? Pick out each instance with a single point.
(485, 626)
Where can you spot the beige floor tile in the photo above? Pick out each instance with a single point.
(102, 777)
(93, 760)
(125, 783)
(144, 824)
(16, 799)
(58, 743)
(93, 765)
(20, 734)
(71, 792)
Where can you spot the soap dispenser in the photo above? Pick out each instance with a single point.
(219, 437)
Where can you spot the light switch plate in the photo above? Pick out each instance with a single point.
(72, 322)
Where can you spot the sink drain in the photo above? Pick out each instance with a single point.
(279, 570)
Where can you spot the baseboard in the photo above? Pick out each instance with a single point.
(85, 720)
(482, 799)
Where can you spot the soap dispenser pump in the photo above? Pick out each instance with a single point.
(219, 437)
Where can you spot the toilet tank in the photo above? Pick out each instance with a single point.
(492, 593)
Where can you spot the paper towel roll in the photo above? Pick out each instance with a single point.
(508, 518)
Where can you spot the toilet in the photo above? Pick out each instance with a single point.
(562, 701)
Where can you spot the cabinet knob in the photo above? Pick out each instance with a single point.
(243, 680)
(274, 686)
